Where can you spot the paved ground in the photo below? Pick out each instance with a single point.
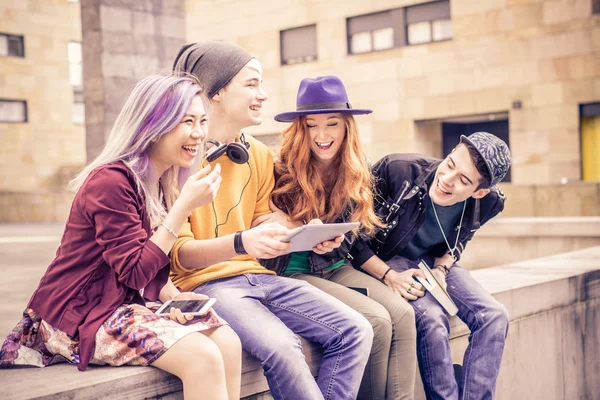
(26, 250)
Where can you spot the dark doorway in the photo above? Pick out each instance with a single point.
(451, 132)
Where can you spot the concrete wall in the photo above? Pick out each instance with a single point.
(124, 41)
(553, 344)
(35, 155)
(508, 240)
(570, 200)
(544, 54)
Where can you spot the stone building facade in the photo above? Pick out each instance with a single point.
(525, 69)
(532, 62)
(45, 141)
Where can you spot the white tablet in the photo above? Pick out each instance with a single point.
(310, 235)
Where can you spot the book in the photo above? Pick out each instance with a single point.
(436, 289)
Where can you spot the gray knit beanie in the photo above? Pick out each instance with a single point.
(213, 63)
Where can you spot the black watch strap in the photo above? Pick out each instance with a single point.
(238, 245)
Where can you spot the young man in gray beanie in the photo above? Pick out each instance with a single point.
(432, 208)
(217, 251)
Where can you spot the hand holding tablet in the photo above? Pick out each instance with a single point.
(308, 236)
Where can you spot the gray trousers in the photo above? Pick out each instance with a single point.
(392, 365)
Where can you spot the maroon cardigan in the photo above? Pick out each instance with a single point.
(103, 261)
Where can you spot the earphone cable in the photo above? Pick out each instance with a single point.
(237, 204)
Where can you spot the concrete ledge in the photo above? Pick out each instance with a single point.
(553, 346)
(554, 304)
(573, 199)
(541, 226)
(515, 239)
(64, 381)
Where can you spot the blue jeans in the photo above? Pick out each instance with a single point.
(486, 318)
(267, 311)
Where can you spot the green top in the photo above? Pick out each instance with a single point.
(299, 264)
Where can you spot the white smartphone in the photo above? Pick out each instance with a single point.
(190, 307)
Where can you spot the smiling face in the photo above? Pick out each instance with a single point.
(456, 179)
(241, 100)
(180, 146)
(326, 133)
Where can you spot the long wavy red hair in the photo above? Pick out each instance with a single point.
(301, 192)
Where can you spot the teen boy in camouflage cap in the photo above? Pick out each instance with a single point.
(432, 208)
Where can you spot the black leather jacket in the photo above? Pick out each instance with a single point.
(402, 196)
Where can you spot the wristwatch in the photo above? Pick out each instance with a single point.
(238, 244)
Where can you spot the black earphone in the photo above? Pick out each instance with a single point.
(237, 152)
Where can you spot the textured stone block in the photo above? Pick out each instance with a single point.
(413, 108)
(171, 26)
(145, 65)
(547, 94)
(563, 44)
(461, 103)
(579, 91)
(143, 23)
(560, 11)
(117, 91)
(531, 173)
(90, 16)
(585, 66)
(490, 100)
(175, 7)
(115, 19)
(436, 107)
(388, 111)
(409, 68)
(469, 7)
(117, 43)
(146, 45)
(559, 116)
(118, 65)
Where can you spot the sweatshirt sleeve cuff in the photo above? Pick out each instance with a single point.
(175, 263)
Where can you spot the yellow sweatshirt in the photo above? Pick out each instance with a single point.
(253, 203)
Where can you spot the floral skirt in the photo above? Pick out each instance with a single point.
(132, 335)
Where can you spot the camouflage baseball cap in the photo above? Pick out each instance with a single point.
(494, 152)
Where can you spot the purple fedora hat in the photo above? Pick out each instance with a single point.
(321, 95)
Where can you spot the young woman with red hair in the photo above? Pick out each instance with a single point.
(322, 174)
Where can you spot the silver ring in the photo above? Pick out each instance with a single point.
(412, 284)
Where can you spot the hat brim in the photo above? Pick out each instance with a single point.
(292, 115)
(463, 139)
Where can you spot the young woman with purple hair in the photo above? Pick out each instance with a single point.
(130, 203)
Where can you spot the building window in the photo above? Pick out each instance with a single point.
(374, 32)
(589, 123)
(12, 45)
(422, 23)
(298, 45)
(76, 79)
(13, 111)
(429, 22)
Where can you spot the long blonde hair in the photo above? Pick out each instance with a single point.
(301, 191)
(155, 107)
